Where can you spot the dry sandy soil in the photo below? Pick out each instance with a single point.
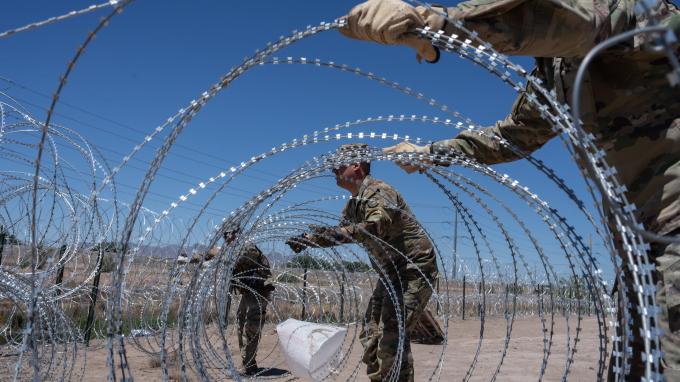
(522, 362)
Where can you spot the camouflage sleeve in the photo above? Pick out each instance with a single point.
(265, 267)
(241, 264)
(251, 269)
(541, 28)
(329, 237)
(248, 259)
(378, 216)
(524, 128)
(325, 237)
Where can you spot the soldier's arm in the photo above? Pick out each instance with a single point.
(266, 269)
(325, 237)
(241, 265)
(376, 221)
(542, 28)
(378, 216)
(524, 128)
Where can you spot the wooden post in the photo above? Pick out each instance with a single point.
(479, 305)
(93, 296)
(304, 289)
(507, 290)
(342, 298)
(455, 247)
(60, 271)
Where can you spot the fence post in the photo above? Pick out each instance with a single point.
(537, 288)
(479, 305)
(304, 290)
(60, 271)
(3, 235)
(507, 289)
(463, 296)
(342, 297)
(93, 295)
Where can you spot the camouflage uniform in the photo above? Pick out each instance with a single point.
(627, 104)
(401, 253)
(250, 272)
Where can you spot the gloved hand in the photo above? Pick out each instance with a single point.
(407, 147)
(298, 243)
(390, 22)
(214, 251)
(332, 233)
(321, 229)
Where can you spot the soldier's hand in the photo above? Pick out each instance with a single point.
(298, 243)
(393, 22)
(319, 229)
(407, 147)
(214, 251)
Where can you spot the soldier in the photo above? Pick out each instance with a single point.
(627, 104)
(250, 274)
(378, 218)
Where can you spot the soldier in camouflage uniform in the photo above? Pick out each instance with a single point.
(378, 218)
(250, 274)
(626, 103)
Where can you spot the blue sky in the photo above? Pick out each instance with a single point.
(157, 56)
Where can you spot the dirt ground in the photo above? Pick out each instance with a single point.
(522, 362)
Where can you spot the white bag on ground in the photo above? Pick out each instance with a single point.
(312, 350)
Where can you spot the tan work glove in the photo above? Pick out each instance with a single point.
(407, 147)
(390, 22)
(214, 251)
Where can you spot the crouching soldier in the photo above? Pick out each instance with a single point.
(378, 218)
